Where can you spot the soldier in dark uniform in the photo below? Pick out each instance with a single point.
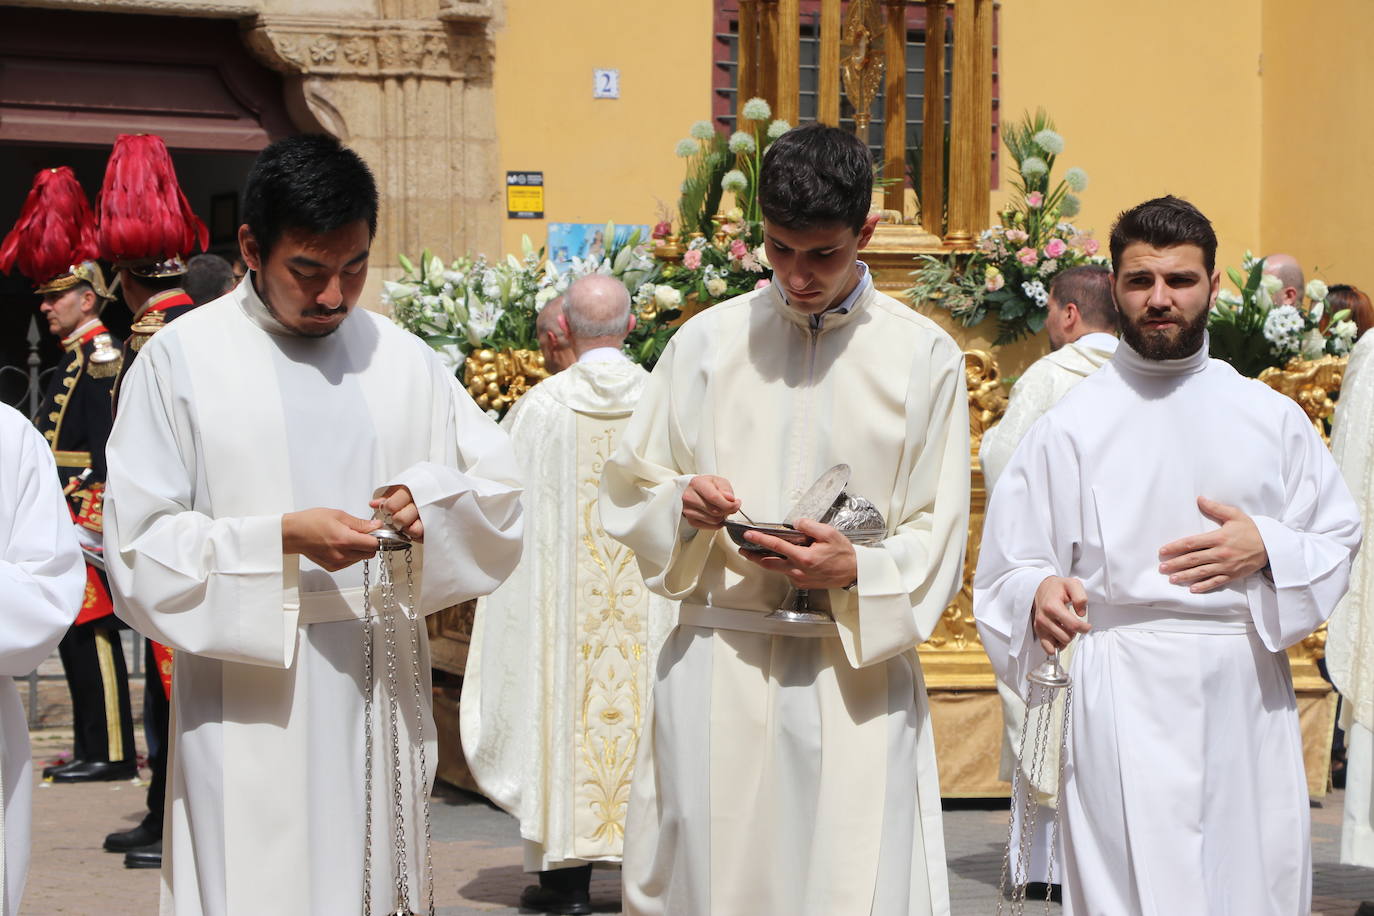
(146, 228)
(53, 244)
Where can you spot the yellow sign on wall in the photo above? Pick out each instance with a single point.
(525, 195)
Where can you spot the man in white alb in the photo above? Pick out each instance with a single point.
(255, 440)
(1081, 325)
(42, 583)
(1188, 525)
(560, 663)
(790, 768)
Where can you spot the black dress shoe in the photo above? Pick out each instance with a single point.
(97, 771)
(548, 900)
(147, 857)
(126, 840)
(50, 771)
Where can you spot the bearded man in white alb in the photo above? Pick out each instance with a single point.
(559, 669)
(42, 584)
(789, 768)
(256, 438)
(1080, 322)
(1188, 525)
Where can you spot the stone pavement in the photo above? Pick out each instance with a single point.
(477, 854)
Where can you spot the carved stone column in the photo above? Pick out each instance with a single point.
(414, 98)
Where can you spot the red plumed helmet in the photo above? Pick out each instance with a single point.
(55, 230)
(143, 216)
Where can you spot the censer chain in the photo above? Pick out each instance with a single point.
(388, 614)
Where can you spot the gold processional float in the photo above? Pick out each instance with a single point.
(854, 51)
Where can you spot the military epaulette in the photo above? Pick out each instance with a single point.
(105, 361)
(88, 505)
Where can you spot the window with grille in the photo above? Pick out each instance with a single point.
(725, 75)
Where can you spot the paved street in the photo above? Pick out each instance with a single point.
(477, 853)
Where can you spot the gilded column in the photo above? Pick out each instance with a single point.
(788, 103)
(828, 79)
(746, 81)
(769, 38)
(964, 144)
(894, 105)
(933, 121)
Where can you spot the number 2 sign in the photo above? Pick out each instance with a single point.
(606, 84)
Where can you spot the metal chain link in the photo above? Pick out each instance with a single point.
(415, 625)
(393, 724)
(368, 678)
(1012, 883)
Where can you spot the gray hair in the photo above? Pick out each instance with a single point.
(597, 306)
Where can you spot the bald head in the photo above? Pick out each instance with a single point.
(598, 310)
(554, 341)
(1289, 272)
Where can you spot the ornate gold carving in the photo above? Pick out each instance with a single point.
(987, 396)
(862, 59)
(497, 378)
(1314, 384)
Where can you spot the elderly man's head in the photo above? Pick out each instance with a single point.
(1289, 272)
(597, 308)
(554, 342)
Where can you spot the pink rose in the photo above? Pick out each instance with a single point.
(995, 282)
(1017, 236)
(1090, 246)
(662, 230)
(1034, 199)
(738, 249)
(1027, 256)
(692, 259)
(1055, 248)
(763, 283)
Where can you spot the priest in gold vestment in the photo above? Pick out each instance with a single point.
(558, 673)
(790, 768)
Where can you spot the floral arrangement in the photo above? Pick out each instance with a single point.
(749, 145)
(1008, 274)
(473, 303)
(712, 269)
(1252, 333)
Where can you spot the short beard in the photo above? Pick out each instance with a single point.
(1158, 346)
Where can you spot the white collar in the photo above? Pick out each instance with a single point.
(603, 355)
(1098, 340)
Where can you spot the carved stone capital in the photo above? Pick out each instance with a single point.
(310, 46)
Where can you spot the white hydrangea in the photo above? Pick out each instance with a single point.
(1036, 291)
(734, 181)
(757, 109)
(742, 143)
(1049, 141)
(1282, 328)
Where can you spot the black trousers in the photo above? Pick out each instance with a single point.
(99, 682)
(156, 718)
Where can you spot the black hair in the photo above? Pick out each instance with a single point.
(1163, 223)
(814, 176)
(310, 182)
(1089, 287)
(208, 276)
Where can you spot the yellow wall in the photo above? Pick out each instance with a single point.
(602, 159)
(1152, 98)
(1318, 165)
